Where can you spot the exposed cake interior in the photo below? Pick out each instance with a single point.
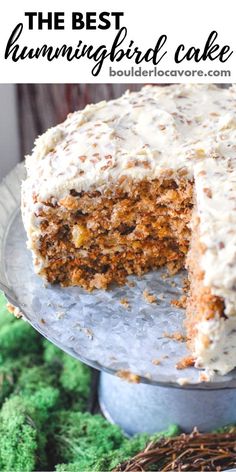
(93, 239)
(129, 185)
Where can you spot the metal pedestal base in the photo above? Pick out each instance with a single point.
(146, 408)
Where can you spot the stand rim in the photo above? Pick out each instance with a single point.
(9, 208)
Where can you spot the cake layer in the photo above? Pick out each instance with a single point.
(92, 239)
(137, 135)
(211, 333)
(215, 189)
(111, 191)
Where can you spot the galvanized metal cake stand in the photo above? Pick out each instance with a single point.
(120, 339)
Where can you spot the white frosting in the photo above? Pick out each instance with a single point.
(216, 207)
(215, 186)
(220, 354)
(140, 135)
(165, 127)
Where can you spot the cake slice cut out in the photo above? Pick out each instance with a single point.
(147, 180)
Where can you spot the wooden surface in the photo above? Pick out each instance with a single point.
(41, 106)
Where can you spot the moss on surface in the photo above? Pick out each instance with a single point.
(84, 437)
(75, 377)
(37, 381)
(43, 398)
(102, 446)
(52, 354)
(44, 394)
(18, 436)
(18, 338)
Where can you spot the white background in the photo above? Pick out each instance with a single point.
(184, 21)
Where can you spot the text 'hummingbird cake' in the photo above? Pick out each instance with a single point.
(146, 180)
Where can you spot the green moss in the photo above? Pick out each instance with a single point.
(32, 396)
(42, 421)
(24, 429)
(11, 371)
(18, 338)
(131, 447)
(75, 379)
(97, 458)
(51, 353)
(85, 438)
(7, 380)
(18, 436)
(74, 376)
(45, 400)
(35, 378)
(6, 318)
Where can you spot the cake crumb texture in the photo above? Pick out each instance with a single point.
(144, 181)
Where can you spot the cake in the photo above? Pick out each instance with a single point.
(147, 180)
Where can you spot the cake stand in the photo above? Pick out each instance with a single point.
(118, 332)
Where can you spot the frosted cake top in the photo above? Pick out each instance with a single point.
(136, 135)
(139, 135)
